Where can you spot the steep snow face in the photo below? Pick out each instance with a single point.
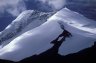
(37, 40)
(16, 26)
(27, 20)
(76, 23)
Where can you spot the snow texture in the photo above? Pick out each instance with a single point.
(38, 40)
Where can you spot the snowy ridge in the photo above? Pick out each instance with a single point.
(29, 19)
(15, 26)
(37, 40)
(76, 21)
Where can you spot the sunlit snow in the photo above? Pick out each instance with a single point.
(37, 40)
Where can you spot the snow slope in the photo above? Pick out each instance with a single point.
(32, 42)
(27, 20)
(37, 40)
(76, 22)
(16, 26)
(83, 31)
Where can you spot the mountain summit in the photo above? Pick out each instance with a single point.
(33, 33)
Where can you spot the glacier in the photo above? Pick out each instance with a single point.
(37, 40)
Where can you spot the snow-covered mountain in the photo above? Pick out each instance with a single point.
(36, 40)
(27, 20)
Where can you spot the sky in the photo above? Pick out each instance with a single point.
(56, 4)
(15, 7)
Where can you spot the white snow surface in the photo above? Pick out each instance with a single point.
(76, 23)
(27, 20)
(13, 28)
(37, 40)
(32, 42)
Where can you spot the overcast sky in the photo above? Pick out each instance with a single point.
(56, 4)
(12, 6)
(15, 7)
